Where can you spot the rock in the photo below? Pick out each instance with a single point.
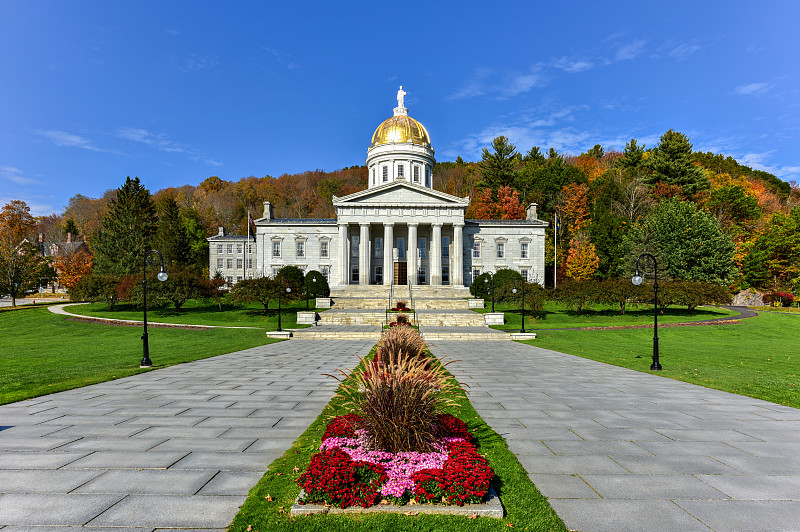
(748, 298)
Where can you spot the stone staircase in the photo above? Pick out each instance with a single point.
(442, 313)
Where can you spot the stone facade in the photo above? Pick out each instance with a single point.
(397, 231)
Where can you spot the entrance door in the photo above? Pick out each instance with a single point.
(400, 273)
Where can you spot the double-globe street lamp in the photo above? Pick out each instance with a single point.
(637, 280)
(313, 279)
(162, 276)
(280, 293)
(490, 282)
(514, 291)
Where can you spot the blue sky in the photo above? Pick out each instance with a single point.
(174, 92)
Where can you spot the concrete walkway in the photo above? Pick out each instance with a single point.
(178, 447)
(60, 309)
(619, 450)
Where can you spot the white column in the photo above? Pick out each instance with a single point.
(388, 259)
(344, 258)
(412, 253)
(436, 255)
(457, 275)
(363, 254)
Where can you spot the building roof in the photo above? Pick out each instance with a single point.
(537, 223)
(230, 237)
(296, 221)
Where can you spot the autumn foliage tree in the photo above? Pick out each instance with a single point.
(582, 259)
(504, 205)
(72, 267)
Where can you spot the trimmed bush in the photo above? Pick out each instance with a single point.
(316, 284)
(784, 299)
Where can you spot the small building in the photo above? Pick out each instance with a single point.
(397, 231)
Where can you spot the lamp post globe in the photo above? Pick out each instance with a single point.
(162, 276)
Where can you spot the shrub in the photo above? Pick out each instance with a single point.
(316, 284)
(334, 478)
(781, 298)
(503, 284)
(293, 276)
(621, 292)
(401, 319)
(93, 287)
(692, 294)
(575, 294)
(400, 304)
(535, 298)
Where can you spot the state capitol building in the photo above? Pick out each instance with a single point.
(397, 231)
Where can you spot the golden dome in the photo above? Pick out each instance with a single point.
(401, 128)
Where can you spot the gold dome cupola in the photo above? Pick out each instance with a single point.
(400, 150)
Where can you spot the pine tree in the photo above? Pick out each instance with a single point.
(632, 155)
(499, 166)
(171, 239)
(127, 230)
(671, 162)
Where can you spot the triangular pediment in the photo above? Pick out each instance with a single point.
(400, 193)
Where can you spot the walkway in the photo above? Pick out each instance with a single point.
(619, 450)
(176, 447)
(59, 309)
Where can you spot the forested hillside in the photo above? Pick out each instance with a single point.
(704, 215)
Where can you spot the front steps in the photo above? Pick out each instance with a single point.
(462, 334)
(449, 318)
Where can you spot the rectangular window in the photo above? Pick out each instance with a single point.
(476, 272)
(229, 263)
(524, 274)
(250, 249)
(501, 250)
(445, 246)
(378, 274)
(239, 263)
(326, 272)
(230, 249)
(238, 278)
(428, 177)
(354, 275)
(385, 174)
(400, 170)
(276, 248)
(301, 249)
(238, 249)
(476, 250)
(323, 249)
(378, 252)
(416, 174)
(401, 247)
(421, 275)
(220, 263)
(229, 279)
(250, 263)
(523, 250)
(355, 241)
(373, 176)
(275, 272)
(445, 274)
(423, 246)
(219, 249)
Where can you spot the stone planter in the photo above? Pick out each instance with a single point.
(494, 318)
(307, 317)
(523, 336)
(279, 334)
(475, 303)
(323, 302)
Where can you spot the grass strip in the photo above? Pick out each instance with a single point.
(758, 357)
(268, 504)
(43, 353)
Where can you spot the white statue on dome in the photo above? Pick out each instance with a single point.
(401, 97)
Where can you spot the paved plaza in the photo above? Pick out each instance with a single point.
(177, 447)
(612, 449)
(619, 450)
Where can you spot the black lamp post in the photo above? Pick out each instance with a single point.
(490, 280)
(637, 280)
(280, 292)
(313, 279)
(514, 291)
(162, 276)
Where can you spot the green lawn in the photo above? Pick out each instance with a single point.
(558, 316)
(759, 357)
(42, 352)
(271, 499)
(203, 313)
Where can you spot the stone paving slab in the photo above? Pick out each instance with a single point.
(615, 450)
(138, 456)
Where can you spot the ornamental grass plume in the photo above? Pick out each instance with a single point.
(399, 399)
(401, 342)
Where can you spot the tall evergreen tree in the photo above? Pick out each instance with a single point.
(671, 162)
(632, 156)
(171, 238)
(127, 230)
(499, 166)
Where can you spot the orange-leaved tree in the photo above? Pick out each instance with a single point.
(582, 260)
(72, 267)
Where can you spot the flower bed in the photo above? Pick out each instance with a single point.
(400, 309)
(346, 472)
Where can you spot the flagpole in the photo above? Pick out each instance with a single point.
(555, 251)
(247, 248)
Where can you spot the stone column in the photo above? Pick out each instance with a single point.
(457, 275)
(436, 255)
(344, 256)
(363, 254)
(388, 259)
(412, 253)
